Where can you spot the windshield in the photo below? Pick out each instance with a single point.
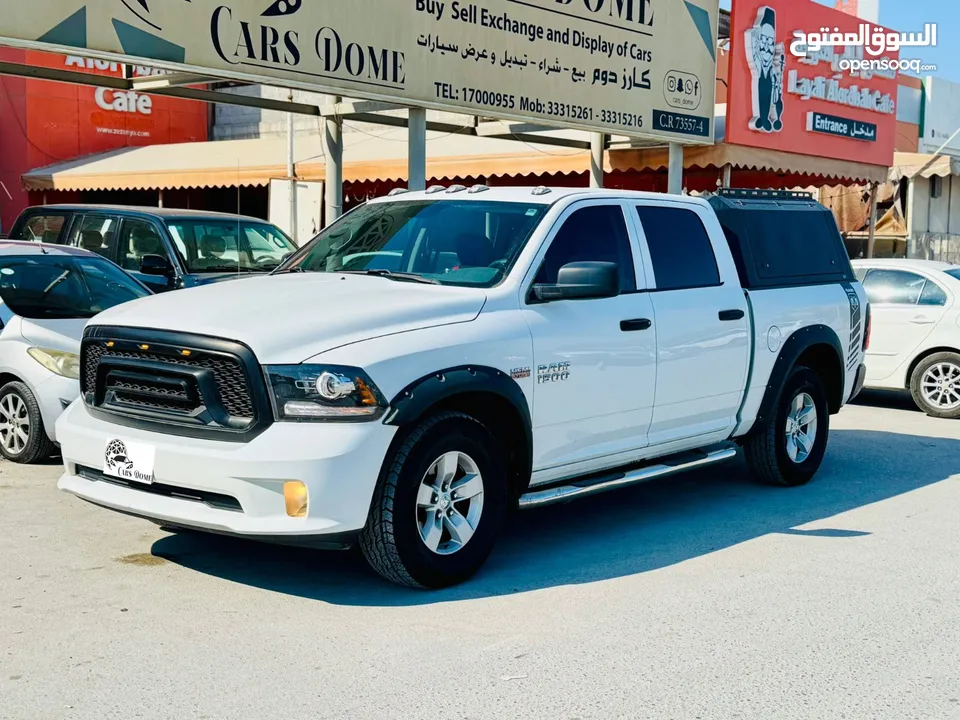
(953, 272)
(450, 242)
(211, 245)
(57, 286)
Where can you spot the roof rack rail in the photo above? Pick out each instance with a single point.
(398, 191)
(766, 194)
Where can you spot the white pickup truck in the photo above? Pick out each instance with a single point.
(435, 359)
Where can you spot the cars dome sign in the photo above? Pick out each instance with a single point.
(635, 67)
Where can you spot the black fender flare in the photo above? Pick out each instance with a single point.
(792, 349)
(411, 403)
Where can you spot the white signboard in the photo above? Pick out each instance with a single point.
(941, 116)
(633, 67)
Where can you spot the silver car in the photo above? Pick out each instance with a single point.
(47, 295)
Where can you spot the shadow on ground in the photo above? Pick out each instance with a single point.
(891, 399)
(608, 536)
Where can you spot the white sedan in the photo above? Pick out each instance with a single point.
(915, 337)
(47, 295)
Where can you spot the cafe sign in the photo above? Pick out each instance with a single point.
(802, 97)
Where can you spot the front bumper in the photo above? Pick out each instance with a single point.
(338, 462)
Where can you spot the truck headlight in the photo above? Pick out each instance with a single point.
(323, 392)
(65, 364)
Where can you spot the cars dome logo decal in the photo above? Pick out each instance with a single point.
(116, 456)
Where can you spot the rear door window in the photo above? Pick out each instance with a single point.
(680, 248)
(42, 228)
(893, 287)
(96, 233)
(933, 294)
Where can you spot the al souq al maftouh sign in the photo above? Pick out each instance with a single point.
(632, 67)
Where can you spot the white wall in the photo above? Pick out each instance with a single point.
(935, 222)
(234, 122)
(941, 116)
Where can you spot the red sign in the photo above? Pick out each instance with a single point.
(42, 122)
(68, 121)
(809, 97)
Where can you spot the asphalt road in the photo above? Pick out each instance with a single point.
(703, 596)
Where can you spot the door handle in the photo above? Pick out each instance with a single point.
(922, 320)
(635, 324)
(729, 315)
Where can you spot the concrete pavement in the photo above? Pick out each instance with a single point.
(702, 596)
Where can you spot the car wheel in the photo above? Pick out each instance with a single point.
(23, 439)
(439, 505)
(788, 447)
(935, 385)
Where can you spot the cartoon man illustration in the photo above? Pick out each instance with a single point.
(766, 58)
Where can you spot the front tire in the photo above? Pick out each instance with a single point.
(935, 385)
(439, 505)
(23, 438)
(787, 449)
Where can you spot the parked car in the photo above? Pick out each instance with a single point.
(165, 249)
(484, 349)
(47, 294)
(915, 343)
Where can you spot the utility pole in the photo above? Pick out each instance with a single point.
(333, 183)
(292, 173)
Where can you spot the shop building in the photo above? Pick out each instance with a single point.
(43, 122)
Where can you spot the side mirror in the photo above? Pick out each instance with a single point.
(156, 265)
(582, 281)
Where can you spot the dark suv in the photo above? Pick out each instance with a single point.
(164, 248)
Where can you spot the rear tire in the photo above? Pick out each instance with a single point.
(786, 450)
(935, 385)
(439, 505)
(23, 438)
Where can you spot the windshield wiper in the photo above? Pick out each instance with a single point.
(397, 276)
(224, 268)
(284, 271)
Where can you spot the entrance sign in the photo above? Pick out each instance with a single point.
(603, 65)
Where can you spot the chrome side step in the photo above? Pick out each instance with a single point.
(591, 485)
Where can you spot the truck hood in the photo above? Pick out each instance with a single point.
(289, 318)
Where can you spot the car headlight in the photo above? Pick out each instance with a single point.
(66, 364)
(323, 392)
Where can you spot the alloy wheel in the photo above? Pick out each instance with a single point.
(449, 503)
(14, 423)
(801, 428)
(940, 386)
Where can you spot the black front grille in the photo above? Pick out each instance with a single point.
(228, 373)
(197, 382)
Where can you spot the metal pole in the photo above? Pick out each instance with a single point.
(598, 142)
(160, 198)
(675, 170)
(333, 186)
(911, 199)
(417, 140)
(292, 173)
(727, 175)
(873, 219)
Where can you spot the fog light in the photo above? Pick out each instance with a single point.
(295, 496)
